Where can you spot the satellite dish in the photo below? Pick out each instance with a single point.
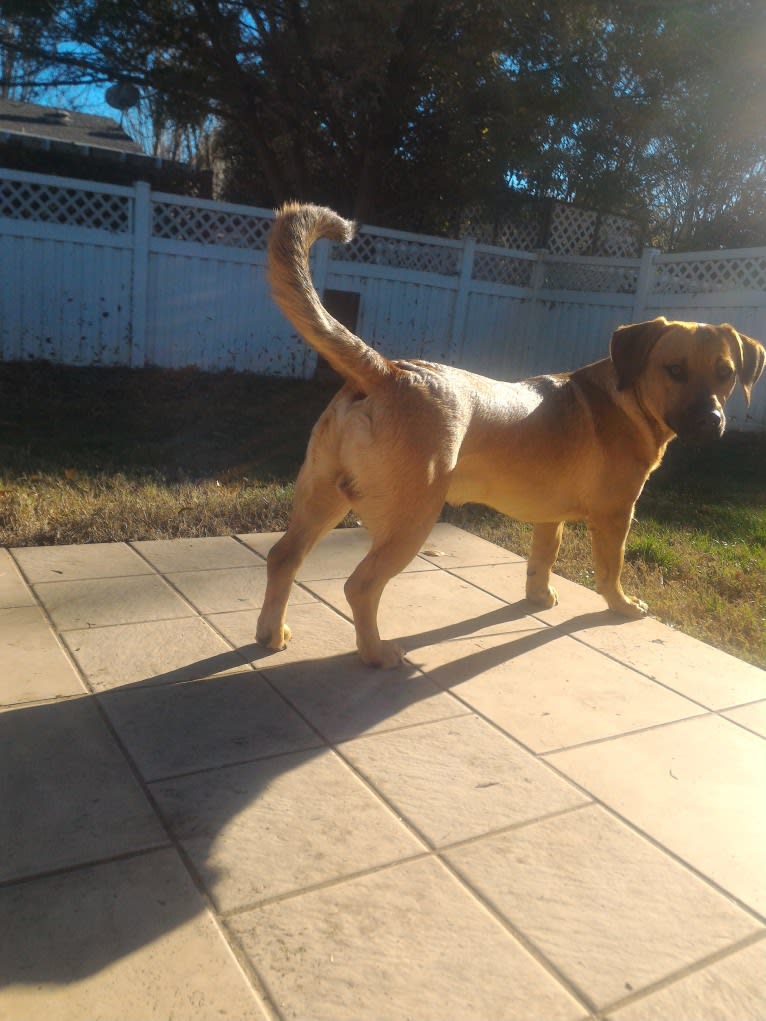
(122, 96)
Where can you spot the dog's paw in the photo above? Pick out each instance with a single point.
(385, 656)
(276, 641)
(544, 600)
(630, 607)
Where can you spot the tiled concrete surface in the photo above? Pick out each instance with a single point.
(541, 815)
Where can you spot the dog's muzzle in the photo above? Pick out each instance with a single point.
(702, 422)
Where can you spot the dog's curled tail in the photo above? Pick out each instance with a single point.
(293, 232)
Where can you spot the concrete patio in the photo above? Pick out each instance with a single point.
(543, 815)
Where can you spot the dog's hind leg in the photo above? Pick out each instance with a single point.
(546, 539)
(318, 506)
(390, 554)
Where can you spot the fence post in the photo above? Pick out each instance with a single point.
(142, 232)
(320, 258)
(533, 323)
(643, 284)
(460, 309)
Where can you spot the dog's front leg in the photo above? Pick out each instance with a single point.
(546, 539)
(608, 535)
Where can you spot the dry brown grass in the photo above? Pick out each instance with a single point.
(46, 510)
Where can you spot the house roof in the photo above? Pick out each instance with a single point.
(34, 122)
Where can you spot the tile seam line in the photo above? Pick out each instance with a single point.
(166, 571)
(90, 577)
(240, 541)
(607, 655)
(82, 866)
(334, 748)
(323, 577)
(230, 914)
(220, 767)
(687, 971)
(593, 799)
(124, 623)
(40, 703)
(258, 982)
(622, 735)
(459, 712)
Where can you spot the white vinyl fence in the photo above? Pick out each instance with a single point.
(100, 274)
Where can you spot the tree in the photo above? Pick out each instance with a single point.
(705, 172)
(406, 111)
(374, 105)
(23, 41)
(652, 109)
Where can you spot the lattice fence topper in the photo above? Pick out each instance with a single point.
(576, 231)
(568, 230)
(569, 276)
(496, 268)
(618, 237)
(707, 276)
(523, 235)
(400, 253)
(176, 222)
(523, 232)
(51, 203)
(572, 231)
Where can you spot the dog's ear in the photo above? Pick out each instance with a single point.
(749, 357)
(630, 347)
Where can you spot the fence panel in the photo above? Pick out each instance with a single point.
(99, 274)
(213, 311)
(495, 334)
(573, 332)
(401, 318)
(65, 301)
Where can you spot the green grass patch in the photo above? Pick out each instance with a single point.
(99, 455)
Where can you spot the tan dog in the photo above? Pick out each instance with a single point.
(403, 437)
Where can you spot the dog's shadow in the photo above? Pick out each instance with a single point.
(57, 762)
(519, 642)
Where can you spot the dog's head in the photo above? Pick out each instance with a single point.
(684, 372)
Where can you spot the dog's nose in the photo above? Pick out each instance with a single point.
(715, 419)
(710, 423)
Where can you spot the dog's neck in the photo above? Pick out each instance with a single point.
(657, 433)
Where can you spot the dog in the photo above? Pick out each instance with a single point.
(401, 438)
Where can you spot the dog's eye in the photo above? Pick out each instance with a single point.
(677, 372)
(724, 372)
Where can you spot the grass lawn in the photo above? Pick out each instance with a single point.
(96, 455)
